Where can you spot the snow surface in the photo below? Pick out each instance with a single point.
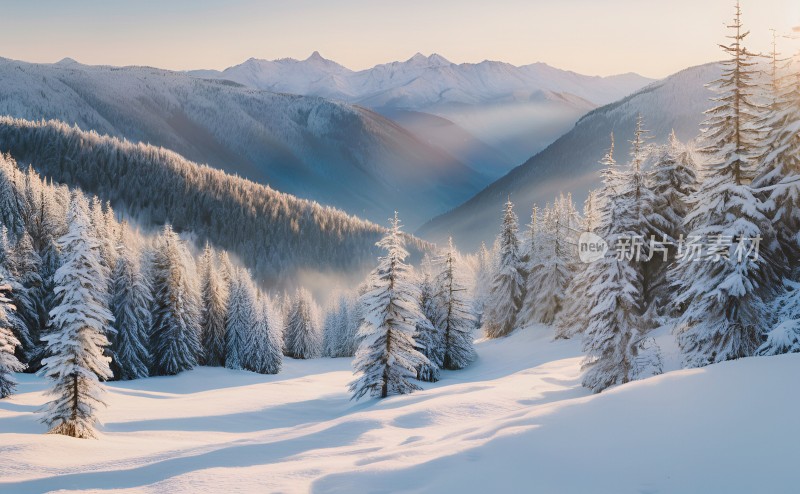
(517, 420)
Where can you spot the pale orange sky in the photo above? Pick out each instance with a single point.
(652, 37)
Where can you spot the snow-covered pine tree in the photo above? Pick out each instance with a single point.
(454, 320)
(8, 342)
(264, 353)
(174, 337)
(552, 263)
(302, 336)
(27, 347)
(617, 349)
(574, 318)
(330, 329)
(130, 304)
(785, 335)
(484, 272)
(506, 293)
(24, 264)
(240, 320)
(11, 199)
(428, 338)
(777, 179)
(213, 311)
(350, 319)
(673, 179)
(722, 295)
(80, 322)
(387, 359)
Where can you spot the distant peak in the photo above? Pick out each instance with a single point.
(431, 61)
(316, 57)
(67, 61)
(437, 59)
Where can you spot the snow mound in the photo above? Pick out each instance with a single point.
(517, 420)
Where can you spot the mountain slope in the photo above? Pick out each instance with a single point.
(570, 163)
(519, 110)
(274, 234)
(335, 153)
(516, 420)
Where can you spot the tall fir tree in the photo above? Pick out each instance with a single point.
(264, 353)
(552, 263)
(428, 337)
(75, 364)
(174, 337)
(387, 360)
(213, 311)
(505, 297)
(8, 342)
(131, 300)
(453, 317)
(240, 320)
(617, 348)
(572, 320)
(302, 335)
(722, 294)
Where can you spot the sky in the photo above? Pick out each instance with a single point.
(597, 37)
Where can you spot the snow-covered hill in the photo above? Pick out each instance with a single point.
(517, 109)
(517, 420)
(571, 163)
(335, 153)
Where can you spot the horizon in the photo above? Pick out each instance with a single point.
(212, 35)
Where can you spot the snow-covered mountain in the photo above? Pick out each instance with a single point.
(332, 152)
(517, 109)
(571, 163)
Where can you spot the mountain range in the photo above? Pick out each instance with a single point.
(338, 154)
(518, 110)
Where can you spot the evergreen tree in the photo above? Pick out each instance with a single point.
(617, 349)
(302, 336)
(174, 337)
(722, 294)
(213, 311)
(551, 265)
(573, 319)
(484, 273)
(453, 319)
(428, 338)
(11, 199)
(24, 264)
(240, 320)
(264, 348)
(8, 343)
(785, 335)
(777, 180)
(506, 293)
(130, 304)
(27, 348)
(387, 359)
(80, 321)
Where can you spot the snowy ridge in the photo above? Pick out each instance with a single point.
(519, 409)
(423, 82)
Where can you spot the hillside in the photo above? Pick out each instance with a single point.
(335, 153)
(276, 235)
(571, 163)
(517, 419)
